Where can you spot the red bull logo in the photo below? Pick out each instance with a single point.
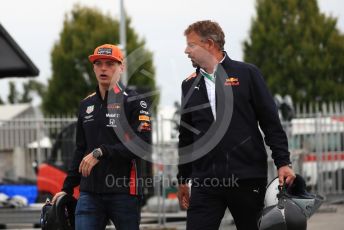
(232, 81)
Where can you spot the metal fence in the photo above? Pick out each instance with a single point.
(318, 133)
(316, 142)
(27, 140)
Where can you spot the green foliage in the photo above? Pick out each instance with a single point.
(298, 49)
(30, 87)
(13, 94)
(26, 97)
(73, 77)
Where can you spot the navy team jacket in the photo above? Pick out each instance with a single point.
(243, 100)
(113, 124)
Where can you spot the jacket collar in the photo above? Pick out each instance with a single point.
(117, 89)
(226, 61)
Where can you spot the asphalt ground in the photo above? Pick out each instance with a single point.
(328, 217)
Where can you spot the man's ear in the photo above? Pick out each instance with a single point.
(211, 43)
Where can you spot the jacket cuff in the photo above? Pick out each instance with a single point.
(282, 163)
(105, 153)
(68, 191)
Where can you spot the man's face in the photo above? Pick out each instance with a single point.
(107, 71)
(196, 49)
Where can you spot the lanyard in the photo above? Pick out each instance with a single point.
(209, 76)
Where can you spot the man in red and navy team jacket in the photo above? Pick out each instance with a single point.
(222, 105)
(109, 120)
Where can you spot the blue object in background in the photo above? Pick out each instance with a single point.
(28, 191)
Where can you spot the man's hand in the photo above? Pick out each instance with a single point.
(57, 195)
(87, 164)
(183, 196)
(285, 172)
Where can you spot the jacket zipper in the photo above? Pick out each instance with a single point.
(99, 117)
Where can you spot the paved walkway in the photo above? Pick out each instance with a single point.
(328, 217)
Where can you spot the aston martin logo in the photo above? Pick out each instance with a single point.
(90, 109)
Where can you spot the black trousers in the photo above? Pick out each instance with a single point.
(209, 203)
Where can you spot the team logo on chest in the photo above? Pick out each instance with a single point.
(113, 119)
(114, 106)
(112, 123)
(90, 109)
(143, 104)
(232, 81)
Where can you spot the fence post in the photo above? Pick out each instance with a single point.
(318, 148)
(38, 138)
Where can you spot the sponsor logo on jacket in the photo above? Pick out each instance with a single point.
(113, 115)
(144, 118)
(144, 112)
(88, 118)
(112, 123)
(114, 106)
(143, 104)
(145, 126)
(232, 81)
(90, 109)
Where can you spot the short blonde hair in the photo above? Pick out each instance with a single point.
(208, 29)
